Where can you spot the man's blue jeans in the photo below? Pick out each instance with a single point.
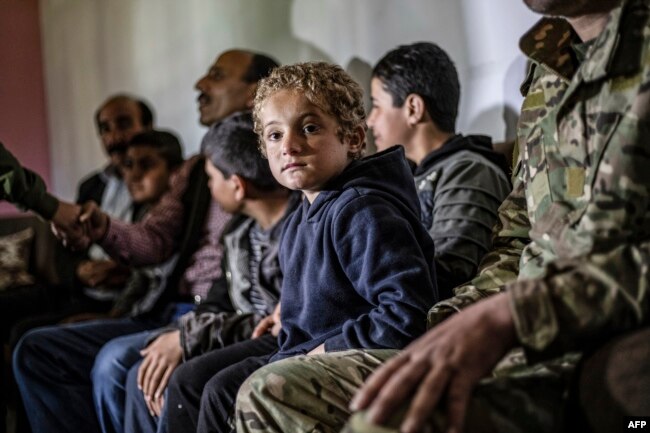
(108, 376)
(53, 368)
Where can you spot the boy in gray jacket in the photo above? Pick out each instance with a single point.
(185, 354)
(460, 180)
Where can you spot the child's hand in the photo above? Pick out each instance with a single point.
(95, 222)
(269, 324)
(92, 273)
(317, 351)
(161, 358)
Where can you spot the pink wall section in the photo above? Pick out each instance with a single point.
(23, 121)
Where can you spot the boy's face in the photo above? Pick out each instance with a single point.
(146, 174)
(222, 189)
(301, 143)
(388, 123)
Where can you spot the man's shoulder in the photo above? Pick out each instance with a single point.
(237, 228)
(462, 167)
(91, 187)
(95, 176)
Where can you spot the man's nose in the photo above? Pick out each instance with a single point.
(114, 136)
(370, 121)
(199, 84)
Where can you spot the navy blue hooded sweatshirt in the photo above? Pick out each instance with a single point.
(356, 262)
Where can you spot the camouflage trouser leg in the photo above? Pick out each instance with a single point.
(305, 393)
(522, 399)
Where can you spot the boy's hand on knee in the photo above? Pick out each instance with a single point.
(156, 405)
(447, 362)
(263, 327)
(269, 324)
(161, 358)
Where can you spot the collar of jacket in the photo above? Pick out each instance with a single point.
(550, 41)
(481, 144)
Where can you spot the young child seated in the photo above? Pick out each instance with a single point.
(151, 158)
(241, 182)
(157, 154)
(354, 256)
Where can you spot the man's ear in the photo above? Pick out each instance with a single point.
(240, 187)
(416, 109)
(250, 99)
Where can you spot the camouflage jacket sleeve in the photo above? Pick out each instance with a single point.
(501, 264)
(23, 187)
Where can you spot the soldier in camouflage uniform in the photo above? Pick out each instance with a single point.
(568, 271)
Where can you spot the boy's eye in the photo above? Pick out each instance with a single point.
(273, 136)
(310, 129)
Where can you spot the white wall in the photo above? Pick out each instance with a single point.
(158, 48)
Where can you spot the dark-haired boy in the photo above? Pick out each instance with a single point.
(460, 180)
(150, 161)
(151, 158)
(241, 182)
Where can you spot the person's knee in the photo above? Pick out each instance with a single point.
(251, 386)
(270, 381)
(182, 380)
(210, 394)
(20, 354)
(108, 365)
(132, 380)
(103, 365)
(26, 350)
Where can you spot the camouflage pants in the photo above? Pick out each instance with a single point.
(312, 393)
(305, 393)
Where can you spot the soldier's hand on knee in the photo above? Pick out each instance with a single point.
(443, 365)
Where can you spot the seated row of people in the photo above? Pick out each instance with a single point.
(480, 182)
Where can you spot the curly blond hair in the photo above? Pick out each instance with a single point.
(325, 85)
